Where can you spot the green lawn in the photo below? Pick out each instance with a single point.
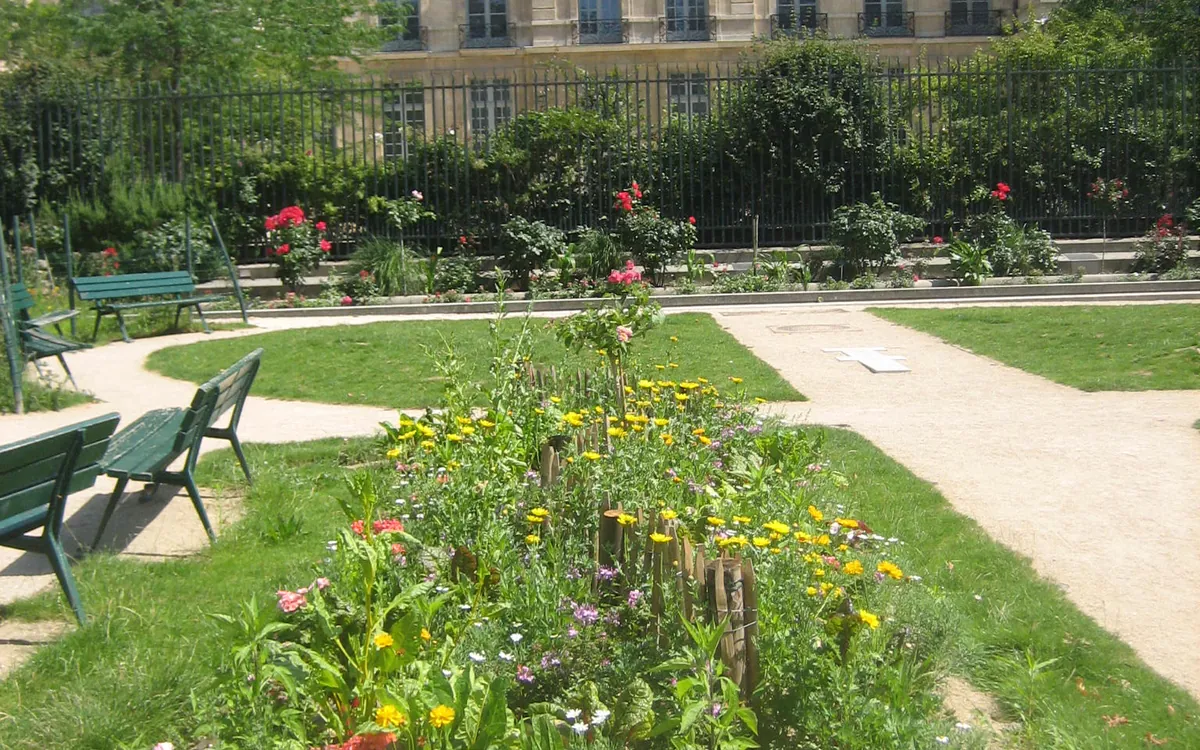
(1093, 348)
(129, 678)
(385, 364)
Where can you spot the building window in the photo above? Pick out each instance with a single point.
(491, 106)
(600, 22)
(688, 94)
(687, 20)
(796, 15)
(972, 17)
(487, 23)
(405, 17)
(403, 113)
(886, 18)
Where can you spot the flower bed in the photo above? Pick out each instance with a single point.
(468, 602)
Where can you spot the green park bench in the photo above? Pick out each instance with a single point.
(113, 295)
(145, 450)
(37, 343)
(36, 477)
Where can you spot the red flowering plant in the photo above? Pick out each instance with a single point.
(1163, 248)
(295, 245)
(109, 263)
(1111, 196)
(652, 241)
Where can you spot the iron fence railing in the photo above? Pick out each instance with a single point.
(554, 143)
(798, 22)
(972, 22)
(887, 23)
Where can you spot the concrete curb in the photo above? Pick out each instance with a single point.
(1100, 291)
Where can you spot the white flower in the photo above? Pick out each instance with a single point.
(442, 589)
(447, 673)
(579, 727)
(978, 598)
(477, 657)
(505, 657)
(331, 546)
(516, 637)
(400, 501)
(379, 136)
(599, 717)
(834, 529)
(962, 726)
(465, 607)
(573, 714)
(164, 746)
(942, 740)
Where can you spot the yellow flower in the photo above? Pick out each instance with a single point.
(486, 423)
(848, 523)
(674, 339)
(532, 539)
(427, 444)
(573, 418)
(777, 527)
(734, 380)
(383, 640)
(599, 409)
(539, 410)
(681, 397)
(628, 391)
(705, 440)
(667, 514)
(761, 541)
(702, 381)
(741, 519)
(642, 404)
(592, 456)
(441, 716)
(811, 591)
(802, 537)
(463, 420)
(454, 437)
(890, 569)
(667, 438)
(617, 432)
(539, 512)
(666, 384)
(425, 430)
(659, 367)
(819, 572)
(409, 435)
(842, 548)
(626, 520)
(853, 568)
(698, 431)
(658, 538)
(689, 386)
(714, 521)
(394, 453)
(672, 364)
(660, 422)
(868, 619)
(759, 400)
(823, 540)
(817, 515)
(555, 400)
(733, 541)
(534, 519)
(390, 716)
(825, 587)
(468, 430)
(425, 635)
(602, 352)
(645, 383)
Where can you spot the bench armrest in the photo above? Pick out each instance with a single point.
(50, 318)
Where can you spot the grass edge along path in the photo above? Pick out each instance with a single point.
(130, 677)
(385, 364)
(1089, 347)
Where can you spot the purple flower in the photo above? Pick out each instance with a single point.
(613, 618)
(606, 574)
(572, 632)
(635, 596)
(716, 709)
(525, 674)
(549, 661)
(586, 614)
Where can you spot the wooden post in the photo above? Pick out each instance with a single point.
(736, 629)
(750, 606)
(549, 466)
(611, 552)
(686, 578)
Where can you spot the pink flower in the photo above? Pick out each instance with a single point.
(326, 246)
(387, 525)
(290, 601)
(525, 674)
(347, 301)
(397, 550)
(637, 191)
(938, 240)
(357, 526)
(322, 584)
(321, 226)
(692, 220)
(417, 195)
(624, 334)
(614, 277)
(635, 596)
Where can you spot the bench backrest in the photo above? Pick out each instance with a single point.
(133, 285)
(20, 299)
(233, 385)
(37, 474)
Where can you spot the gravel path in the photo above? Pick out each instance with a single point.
(1100, 490)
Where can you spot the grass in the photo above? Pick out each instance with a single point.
(1093, 348)
(129, 678)
(383, 364)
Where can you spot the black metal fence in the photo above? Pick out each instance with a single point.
(724, 144)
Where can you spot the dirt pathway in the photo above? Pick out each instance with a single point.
(1100, 490)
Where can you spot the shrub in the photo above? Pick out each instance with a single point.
(395, 269)
(457, 273)
(969, 262)
(295, 245)
(1162, 248)
(651, 240)
(165, 249)
(597, 252)
(526, 245)
(868, 235)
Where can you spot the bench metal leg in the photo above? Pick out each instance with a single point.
(108, 510)
(96, 328)
(63, 361)
(62, 569)
(178, 309)
(194, 492)
(241, 457)
(121, 322)
(203, 322)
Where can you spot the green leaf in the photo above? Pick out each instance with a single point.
(691, 714)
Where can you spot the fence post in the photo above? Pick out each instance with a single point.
(187, 243)
(70, 267)
(8, 327)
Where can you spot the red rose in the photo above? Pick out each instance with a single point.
(462, 239)
(293, 215)
(364, 274)
(283, 250)
(110, 252)
(347, 301)
(692, 220)
(320, 226)
(116, 265)
(938, 240)
(326, 246)
(637, 191)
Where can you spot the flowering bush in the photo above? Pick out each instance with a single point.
(295, 245)
(651, 240)
(1163, 248)
(526, 245)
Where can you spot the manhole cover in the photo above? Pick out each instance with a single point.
(816, 328)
